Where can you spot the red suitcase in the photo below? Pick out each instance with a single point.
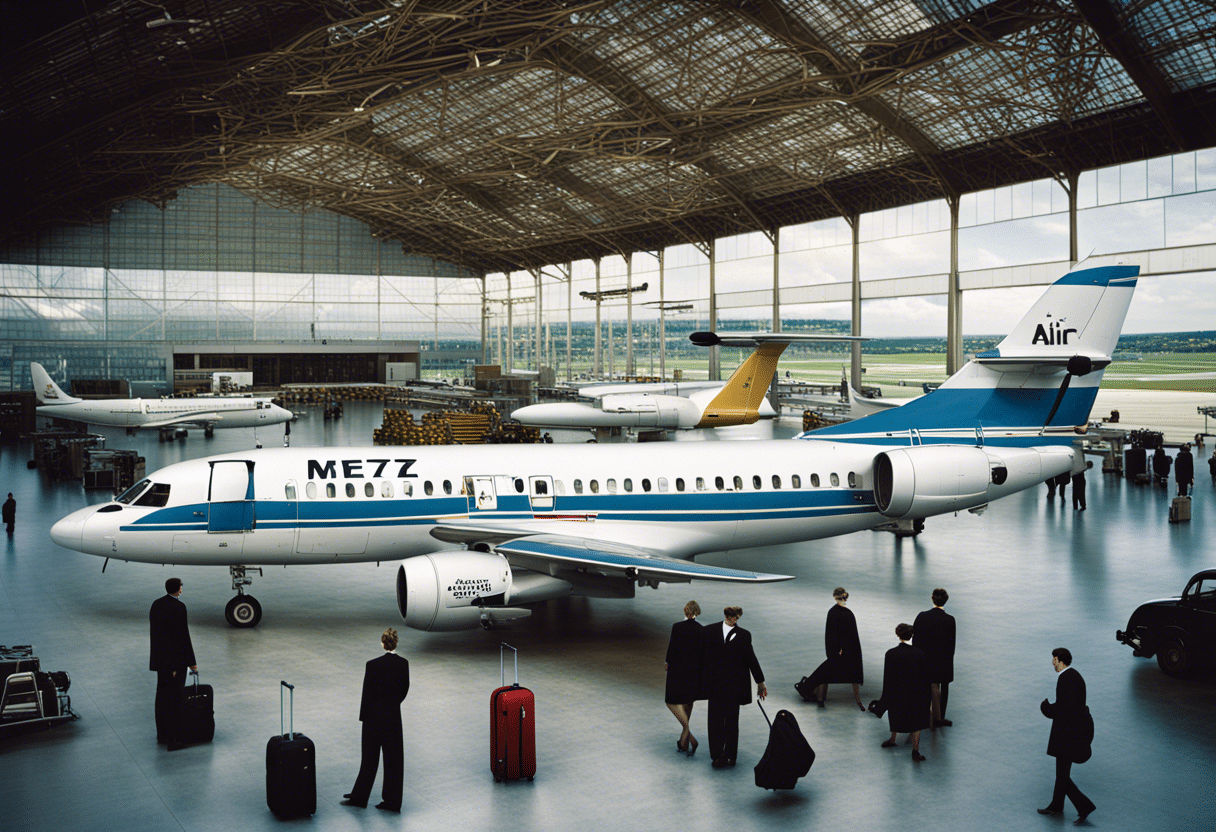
(512, 727)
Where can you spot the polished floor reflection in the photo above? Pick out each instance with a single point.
(1026, 576)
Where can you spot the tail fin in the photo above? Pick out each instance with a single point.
(738, 403)
(46, 389)
(1041, 380)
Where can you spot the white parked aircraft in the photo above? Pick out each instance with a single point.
(741, 400)
(486, 531)
(156, 414)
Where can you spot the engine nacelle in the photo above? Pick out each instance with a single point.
(936, 479)
(657, 411)
(461, 590)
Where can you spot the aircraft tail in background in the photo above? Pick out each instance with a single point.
(46, 389)
(1033, 388)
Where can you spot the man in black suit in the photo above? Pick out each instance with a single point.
(1184, 470)
(171, 654)
(1071, 735)
(386, 681)
(933, 633)
(730, 663)
(10, 513)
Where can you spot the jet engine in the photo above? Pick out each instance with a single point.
(935, 479)
(461, 590)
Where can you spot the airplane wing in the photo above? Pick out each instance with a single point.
(542, 551)
(200, 419)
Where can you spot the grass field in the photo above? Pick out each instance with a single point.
(1152, 372)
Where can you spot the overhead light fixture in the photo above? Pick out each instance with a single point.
(168, 20)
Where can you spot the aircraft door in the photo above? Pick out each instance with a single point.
(540, 493)
(230, 497)
(481, 494)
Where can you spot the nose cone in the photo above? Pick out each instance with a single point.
(560, 414)
(69, 531)
(282, 414)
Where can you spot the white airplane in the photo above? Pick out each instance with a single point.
(487, 531)
(685, 405)
(156, 414)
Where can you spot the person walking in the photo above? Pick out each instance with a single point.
(934, 634)
(905, 691)
(729, 662)
(685, 651)
(10, 513)
(1078, 490)
(171, 653)
(1062, 481)
(842, 645)
(1212, 466)
(1071, 735)
(386, 681)
(1184, 470)
(1161, 466)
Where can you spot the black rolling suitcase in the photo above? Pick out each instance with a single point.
(197, 722)
(788, 755)
(291, 768)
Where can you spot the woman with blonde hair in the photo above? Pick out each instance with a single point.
(684, 668)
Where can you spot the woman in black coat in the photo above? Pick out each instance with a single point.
(843, 647)
(906, 694)
(685, 673)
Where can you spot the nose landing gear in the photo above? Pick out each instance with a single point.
(243, 611)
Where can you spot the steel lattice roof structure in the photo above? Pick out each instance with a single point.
(507, 134)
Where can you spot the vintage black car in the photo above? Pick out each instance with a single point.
(1181, 632)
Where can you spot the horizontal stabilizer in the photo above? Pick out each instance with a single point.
(755, 339)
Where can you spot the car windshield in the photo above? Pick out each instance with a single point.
(1203, 593)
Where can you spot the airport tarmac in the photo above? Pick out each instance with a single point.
(1024, 577)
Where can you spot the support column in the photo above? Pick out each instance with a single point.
(854, 221)
(569, 314)
(540, 353)
(598, 363)
(715, 367)
(775, 237)
(954, 298)
(662, 321)
(484, 312)
(510, 329)
(1074, 178)
(629, 373)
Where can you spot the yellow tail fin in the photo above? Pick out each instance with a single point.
(738, 403)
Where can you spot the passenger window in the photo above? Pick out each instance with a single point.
(386, 488)
(700, 483)
(738, 483)
(407, 488)
(795, 481)
(447, 486)
(559, 487)
(835, 479)
(720, 483)
(578, 486)
(776, 481)
(628, 484)
(428, 488)
(595, 487)
(290, 490)
(679, 483)
(645, 485)
(852, 480)
(311, 490)
(369, 489)
(755, 482)
(519, 486)
(350, 489)
(663, 484)
(331, 490)
(610, 484)
(814, 480)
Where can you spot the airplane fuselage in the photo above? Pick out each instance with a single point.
(226, 412)
(334, 505)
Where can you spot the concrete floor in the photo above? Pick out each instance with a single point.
(1026, 576)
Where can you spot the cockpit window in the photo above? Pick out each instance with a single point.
(156, 496)
(134, 491)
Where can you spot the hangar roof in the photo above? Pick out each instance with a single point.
(503, 134)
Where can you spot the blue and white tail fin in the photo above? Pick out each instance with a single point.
(1032, 389)
(46, 390)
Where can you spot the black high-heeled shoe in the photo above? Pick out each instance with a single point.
(683, 749)
(692, 745)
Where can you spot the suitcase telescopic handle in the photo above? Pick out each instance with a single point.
(766, 719)
(502, 670)
(290, 733)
